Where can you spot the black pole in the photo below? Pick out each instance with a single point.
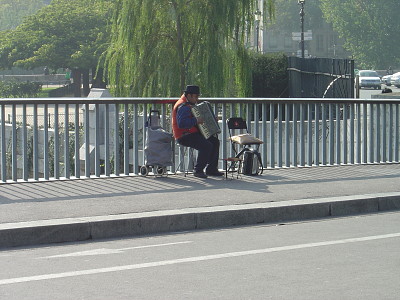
(302, 28)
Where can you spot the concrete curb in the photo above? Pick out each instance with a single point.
(136, 224)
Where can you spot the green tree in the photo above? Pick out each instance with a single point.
(369, 28)
(159, 46)
(12, 12)
(65, 34)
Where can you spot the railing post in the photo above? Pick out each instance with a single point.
(3, 145)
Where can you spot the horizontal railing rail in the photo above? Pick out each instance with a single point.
(95, 137)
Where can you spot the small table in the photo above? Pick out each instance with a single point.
(234, 167)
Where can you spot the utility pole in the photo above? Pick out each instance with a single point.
(302, 2)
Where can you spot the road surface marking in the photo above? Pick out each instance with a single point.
(193, 259)
(105, 251)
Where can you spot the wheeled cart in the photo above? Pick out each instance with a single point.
(158, 147)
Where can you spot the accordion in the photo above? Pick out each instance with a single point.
(210, 125)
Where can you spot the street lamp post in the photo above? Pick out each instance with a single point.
(257, 15)
(302, 2)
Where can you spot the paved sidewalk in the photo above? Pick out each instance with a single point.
(59, 211)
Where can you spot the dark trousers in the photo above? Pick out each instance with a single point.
(208, 150)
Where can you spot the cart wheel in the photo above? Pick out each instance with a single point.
(160, 170)
(144, 171)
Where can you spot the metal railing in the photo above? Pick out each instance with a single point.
(304, 132)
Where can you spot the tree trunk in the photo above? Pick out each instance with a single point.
(98, 80)
(76, 76)
(86, 88)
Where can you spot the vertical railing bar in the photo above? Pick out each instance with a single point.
(264, 118)
(309, 135)
(248, 118)
(225, 129)
(87, 142)
(324, 134)
(116, 140)
(390, 142)
(352, 141)
(224, 151)
(302, 135)
(272, 135)
(240, 109)
(107, 165)
(338, 118)
(97, 142)
(358, 134)
(316, 136)
(77, 144)
(295, 114)
(331, 135)
(66, 144)
(365, 133)
(256, 119)
(3, 145)
(56, 162)
(14, 143)
(396, 136)
(384, 146)
(144, 132)
(378, 134)
(280, 135)
(126, 139)
(24, 144)
(35, 144)
(46, 143)
(135, 135)
(371, 133)
(345, 141)
(223, 148)
(163, 116)
(287, 135)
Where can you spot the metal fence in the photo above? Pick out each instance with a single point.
(318, 132)
(321, 78)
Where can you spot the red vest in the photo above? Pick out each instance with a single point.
(179, 132)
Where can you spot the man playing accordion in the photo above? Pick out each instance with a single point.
(186, 132)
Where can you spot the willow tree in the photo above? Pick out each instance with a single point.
(159, 46)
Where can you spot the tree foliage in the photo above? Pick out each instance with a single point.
(12, 12)
(15, 89)
(159, 46)
(65, 34)
(369, 28)
(270, 76)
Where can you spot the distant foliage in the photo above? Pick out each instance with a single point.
(12, 12)
(19, 89)
(270, 76)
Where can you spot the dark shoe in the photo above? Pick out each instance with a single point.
(199, 175)
(215, 173)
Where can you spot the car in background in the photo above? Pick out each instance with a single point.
(386, 80)
(395, 79)
(369, 78)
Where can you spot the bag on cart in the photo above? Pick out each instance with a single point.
(158, 146)
(252, 164)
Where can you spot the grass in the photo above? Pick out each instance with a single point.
(44, 93)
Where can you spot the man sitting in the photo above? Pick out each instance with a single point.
(186, 132)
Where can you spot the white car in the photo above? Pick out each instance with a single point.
(369, 78)
(386, 80)
(395, 79)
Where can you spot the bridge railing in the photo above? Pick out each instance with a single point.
(96, 137)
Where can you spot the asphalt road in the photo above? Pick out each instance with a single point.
(365, 93)
(344, 258)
